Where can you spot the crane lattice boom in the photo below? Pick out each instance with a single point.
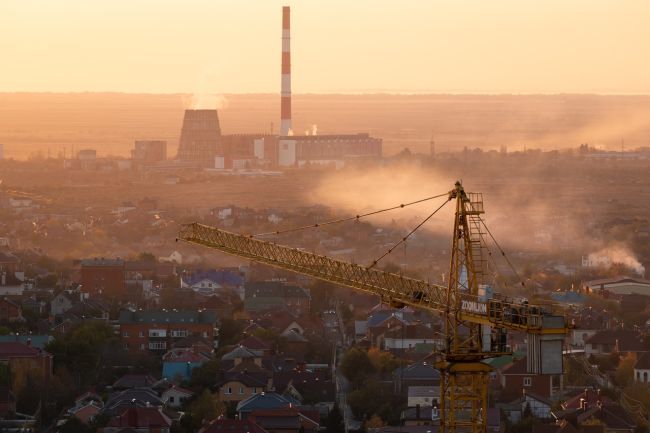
(392, 288)
(474, 325)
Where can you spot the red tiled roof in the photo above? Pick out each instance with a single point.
(138, 417)
(232, 426)
(16, 350)
(254, 343)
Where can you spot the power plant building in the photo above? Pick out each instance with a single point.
(149, 151)
(203, 145)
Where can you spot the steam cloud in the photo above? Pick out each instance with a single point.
(616, 255)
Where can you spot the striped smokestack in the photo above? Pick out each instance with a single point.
(285, 94)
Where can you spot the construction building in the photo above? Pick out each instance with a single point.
(203, 145)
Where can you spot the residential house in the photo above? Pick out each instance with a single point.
(423, 396)
(421, 415)
(313, 386)
(86, 407)
(416, 374)
(256, 344)
(286, 420)
(381, 321)
(232, 426)
(540, 407)
(179, 363)
(240, 354)
(642, 369)
(62, 302)
(241, 385)
(175, 396)
(104, 277)
(591, 405)
(265, 400)
(515, 380)
(406, 336)
(120, 401)
(10, 311)
(214, 280)
(156, 330)
(269, 295)
(197, 344)
(9, 263)
(174, 257)
(22, 358)
(35, 341)
(139, 420)
(614, 340)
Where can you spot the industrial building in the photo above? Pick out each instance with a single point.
(203, 145)
(149, 151)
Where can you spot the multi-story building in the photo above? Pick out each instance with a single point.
(105, 277)
(156, 330)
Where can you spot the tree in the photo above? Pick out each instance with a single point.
(366, 400)
(625, 371)
(205, 408)
(206, 375)
(383, 362)
(229, 331)
(356, 366)
(374, 422)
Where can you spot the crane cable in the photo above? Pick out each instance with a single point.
(401, 241)
(503, 253)
(356, 217)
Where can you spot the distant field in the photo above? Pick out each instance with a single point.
(32, 123)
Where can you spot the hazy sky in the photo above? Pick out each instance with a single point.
(228, 46)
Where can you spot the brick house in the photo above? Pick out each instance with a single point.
(139, 420)
(240, 386)
(614, 340)
(10, 311)
(106, 277)
(515, 380)
(157, 330)
(232, 426)
(9, 263)
(268, 295)
(23, 358)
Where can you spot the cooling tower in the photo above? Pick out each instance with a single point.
(200, 137)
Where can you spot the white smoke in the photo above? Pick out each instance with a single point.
(208, 101)
(206, 95)
(609, 256)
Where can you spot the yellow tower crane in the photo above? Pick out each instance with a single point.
(475, 325)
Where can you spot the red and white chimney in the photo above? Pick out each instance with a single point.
(285, 93)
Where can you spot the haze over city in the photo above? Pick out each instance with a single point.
(324, 217)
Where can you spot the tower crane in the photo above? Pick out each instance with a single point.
(474, 325)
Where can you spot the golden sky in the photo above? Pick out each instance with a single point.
(233, 46)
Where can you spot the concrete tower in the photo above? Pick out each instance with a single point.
(285, 94)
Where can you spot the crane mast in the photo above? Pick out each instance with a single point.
(474, 324)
